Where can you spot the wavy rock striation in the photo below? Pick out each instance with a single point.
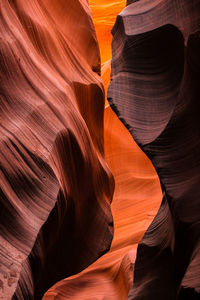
(155, 92)
(136, 200)
(55, 185)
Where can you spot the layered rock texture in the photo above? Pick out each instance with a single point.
(136, 200)
(155, 92)
(55, 185)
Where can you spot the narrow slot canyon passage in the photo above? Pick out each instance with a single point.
(137, 195)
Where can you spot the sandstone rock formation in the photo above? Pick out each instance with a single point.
(104, 13)
(136, 200)
(55, 185)
(155, 92)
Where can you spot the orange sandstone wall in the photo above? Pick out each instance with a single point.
(137, 195)
(104, 13)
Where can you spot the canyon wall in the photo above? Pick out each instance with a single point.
(56, 186)
(154, 91)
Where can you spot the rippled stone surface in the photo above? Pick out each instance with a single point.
(55, 185)
(154, 91)
(136, 199)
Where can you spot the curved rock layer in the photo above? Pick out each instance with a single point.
(136, 200)
(55, 185)
(155, 92)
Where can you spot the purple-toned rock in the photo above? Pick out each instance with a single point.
(155, 92)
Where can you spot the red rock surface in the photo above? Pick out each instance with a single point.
(55, 185)
(136, 199)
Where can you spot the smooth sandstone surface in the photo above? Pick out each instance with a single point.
(104, 13)
(136, 199)
(55, 184)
